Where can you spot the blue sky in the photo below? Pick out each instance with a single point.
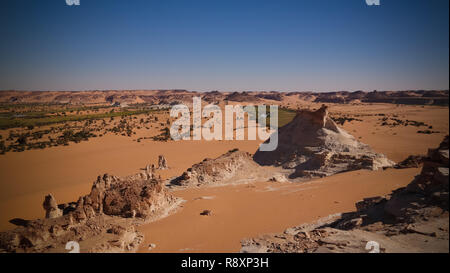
(228, 45)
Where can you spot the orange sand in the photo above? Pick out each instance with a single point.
(265, 207)
(69, 171)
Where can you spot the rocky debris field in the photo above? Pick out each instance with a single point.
(411, 219)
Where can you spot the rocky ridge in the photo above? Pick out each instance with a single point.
(418, 97)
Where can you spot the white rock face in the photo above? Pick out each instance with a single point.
(314, 146)
(278, 178)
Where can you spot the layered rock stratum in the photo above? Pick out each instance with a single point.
(312, 145)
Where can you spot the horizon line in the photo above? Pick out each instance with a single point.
(221, 91)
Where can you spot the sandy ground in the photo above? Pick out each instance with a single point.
(238, 211)
(69, 171)
(249, 210)
(401, 141)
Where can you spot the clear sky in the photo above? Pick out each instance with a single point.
(227, 45)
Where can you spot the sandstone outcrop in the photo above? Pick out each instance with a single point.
(233, 167)
(102, 221)
(312, 145)
(150, 170)
(51, 207)
(133, 196)
(433, 179)
(162, 163)
(411, 219)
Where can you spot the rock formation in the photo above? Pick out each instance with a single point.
(312, 145)
(102, 221)
(162, 163)
(433, 180)
(51, 207)
(150, 169)
(233, 167)
(413, 161)
(411, 219)
(132, 196)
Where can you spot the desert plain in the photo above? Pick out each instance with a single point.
(235, 210)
